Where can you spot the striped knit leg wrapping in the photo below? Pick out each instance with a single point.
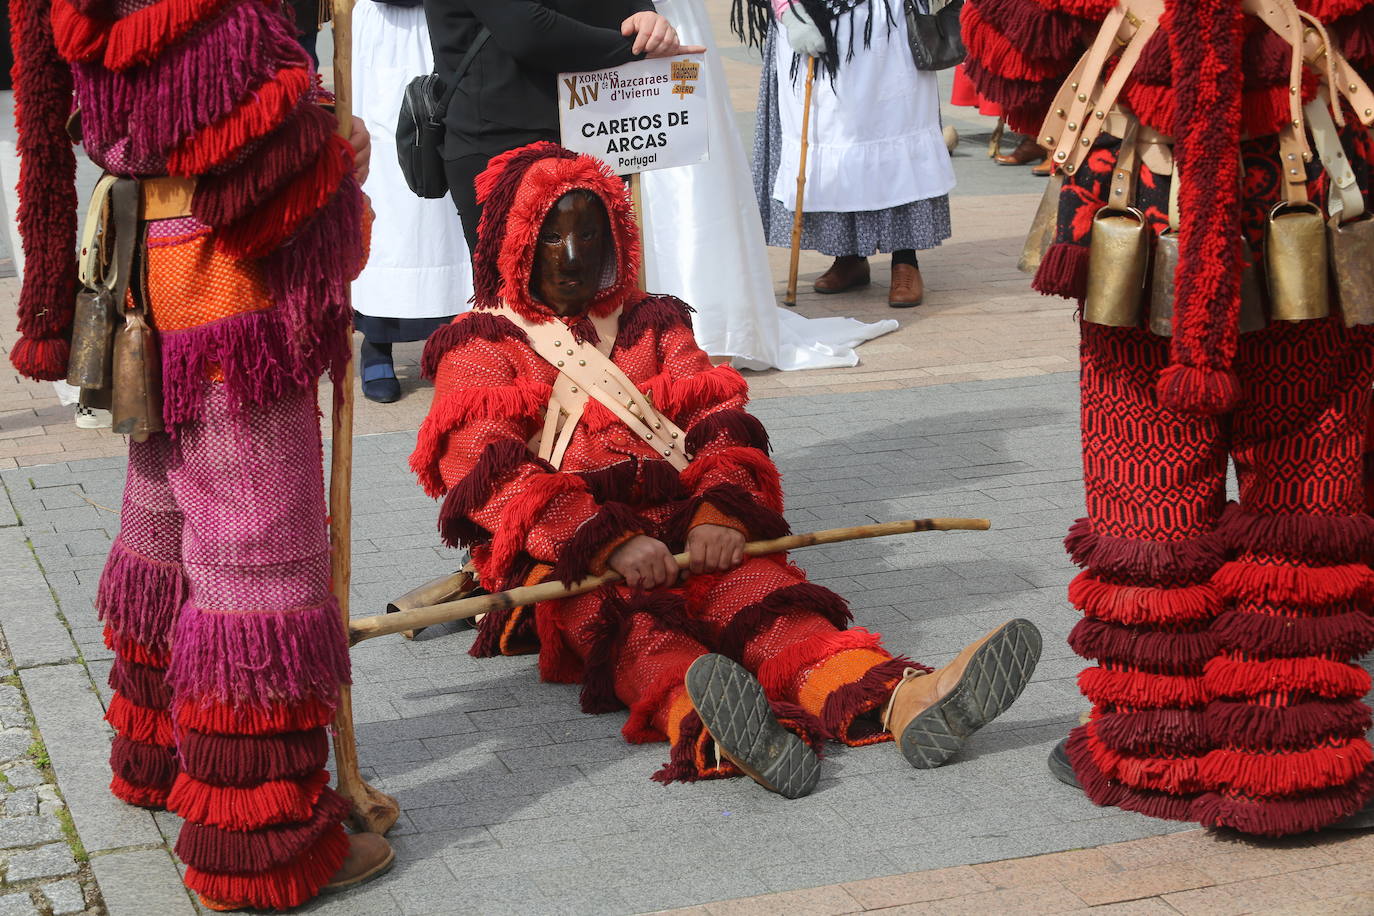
(141, 590)
(1286, 715)
(1154, 483)
(257, 657)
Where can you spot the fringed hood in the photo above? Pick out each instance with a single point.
(516, 191)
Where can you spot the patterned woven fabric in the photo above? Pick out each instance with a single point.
(1224, 690)
(229, 649)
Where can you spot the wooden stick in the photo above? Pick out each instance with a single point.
(382, 624)
(637, 202)
(372, 810)
(791, 297)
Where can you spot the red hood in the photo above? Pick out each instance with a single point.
(517, 191)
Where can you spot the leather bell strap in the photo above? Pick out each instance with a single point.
(124, 204)
(91, 268)
(1156, 150)
(1081, 107)
(1293, 162)
(167, 198)
(1121, 192)
(1344, 202)
(586, 372)
(1312, 44)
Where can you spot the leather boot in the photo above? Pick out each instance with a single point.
(930, 715)
(847, 272)
(1060, 768)
(908, 289)
(1026, 152)
(1043, 170)
(369, 856)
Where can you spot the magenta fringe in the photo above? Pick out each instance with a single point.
(243, 761)
(1300, 726)
(146, 765)
(735, 424)
(804, 597)
(215, 849)
(143, 685)
(260, 658)
(473, 325)
(252, 351)
(1103, 791)
(1275, 817)
(1190, 559)
(309, 279)
(140, 598)
(1316, 539)
(1348, 635)
(1063, 271)
(656, 313)
(265, 169)
(611, 521)
(190, 85)
(1149, 732)
(1161, 651)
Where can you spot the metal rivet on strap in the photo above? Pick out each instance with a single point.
(560, 364)
(674, 435)
(1082, 97)
(1101, 115)
(658, 426)
(1060, 112)
(1049, 141)
(1061, 155)
(1085, 141)
(1073, 125)
(573, 389)
(667, 453)
(558, 343)
(582, 362)
(570, 353)
(648, 435)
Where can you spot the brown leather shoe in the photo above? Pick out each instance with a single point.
(930, 715)
(1043, 170)
(369, 855)
(846, 273)
(908, 289)
(1026, 152)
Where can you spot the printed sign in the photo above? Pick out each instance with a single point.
(650, 114)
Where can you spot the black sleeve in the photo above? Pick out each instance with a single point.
(642, 6)
(545, 39)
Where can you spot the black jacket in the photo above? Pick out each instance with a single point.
(509, 97)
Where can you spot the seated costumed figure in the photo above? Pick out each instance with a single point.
(577, 427)
(1213, 223)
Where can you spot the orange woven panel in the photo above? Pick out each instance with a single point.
(190, 284)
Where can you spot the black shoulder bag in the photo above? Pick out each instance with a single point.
(934, 37)
(420, 127)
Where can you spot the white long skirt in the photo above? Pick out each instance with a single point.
(703, 242)
(875, 130)
(419, 265)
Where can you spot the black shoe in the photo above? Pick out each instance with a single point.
(1060, 767)
(377, 373)
(738, 716)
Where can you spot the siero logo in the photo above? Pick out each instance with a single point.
(588, 94)
(684, 74)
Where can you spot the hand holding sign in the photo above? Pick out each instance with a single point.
(655, 36)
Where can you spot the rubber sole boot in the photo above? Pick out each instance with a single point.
(1059, 765)
(996, 674)
(369, 856)
(737, 715)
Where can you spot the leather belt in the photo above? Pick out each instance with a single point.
(167, 197)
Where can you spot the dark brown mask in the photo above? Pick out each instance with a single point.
(572, 248)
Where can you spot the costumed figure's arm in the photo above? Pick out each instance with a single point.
(472, 449)
(47, 194)
(731, 479)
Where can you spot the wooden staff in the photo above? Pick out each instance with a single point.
(372, 810)
(420, 617)
(637, 202)
(791, 297)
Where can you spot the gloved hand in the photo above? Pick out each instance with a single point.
(802, 33)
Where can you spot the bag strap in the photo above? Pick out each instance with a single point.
(464, 66)
(91, 256)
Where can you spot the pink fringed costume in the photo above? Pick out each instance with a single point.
(216, 596)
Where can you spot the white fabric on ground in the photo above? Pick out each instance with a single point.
(419, 265)
(703, 242)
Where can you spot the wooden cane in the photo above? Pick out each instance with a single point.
(417, 618)
(373, 810)
(791, 297)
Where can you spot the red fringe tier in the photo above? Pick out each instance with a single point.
(261, 114)
(231, 760)
(1183, 652)
(1309, 586)
(1102, 790)
(1288, 772)
(1134, 605)
(147, 726)
(154, 797)
(1231, 677)
(1177, 732)
(1141, 689)
(1283, 816)
(280, 801)
(211, 849)
(236, 719)
(1191, 558)
(282, 888)
(1297, 725)
(1348, 635)
(1153, 772)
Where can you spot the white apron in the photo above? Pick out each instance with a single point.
(875, 131)
(419, 265)
(703, 242)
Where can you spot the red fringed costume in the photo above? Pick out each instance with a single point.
(1222, 636)
(216, 596)
(528, 522)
